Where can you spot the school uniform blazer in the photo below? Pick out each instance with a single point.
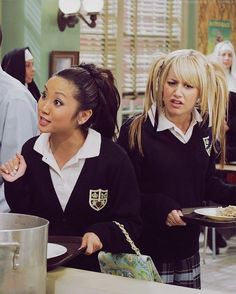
(173, 175)
(109, 176)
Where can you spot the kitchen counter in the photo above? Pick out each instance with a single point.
(73, 281)
(227, 167)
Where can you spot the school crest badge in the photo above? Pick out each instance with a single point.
(207, 144)
(98, 199)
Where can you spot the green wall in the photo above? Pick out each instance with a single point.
(33, 23)
(192, 24)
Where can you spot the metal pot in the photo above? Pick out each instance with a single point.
(23, 254)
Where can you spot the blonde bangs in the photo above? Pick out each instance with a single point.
(187, 70)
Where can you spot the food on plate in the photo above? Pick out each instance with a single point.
(229, 211)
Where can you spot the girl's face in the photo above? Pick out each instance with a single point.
(226, 58)
(179, 97)
(57, 108)
(29, 71)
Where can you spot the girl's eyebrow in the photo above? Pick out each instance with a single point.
(57, 92)
(61, 93)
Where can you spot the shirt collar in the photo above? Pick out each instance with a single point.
(90, 148)
(164, 123)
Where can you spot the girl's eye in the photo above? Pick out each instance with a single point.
(188, 86)
(58, 102)
(171, 83)
(28, 65)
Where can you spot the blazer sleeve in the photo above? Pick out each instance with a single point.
(155, 206)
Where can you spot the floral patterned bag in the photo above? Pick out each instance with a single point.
(136, 266)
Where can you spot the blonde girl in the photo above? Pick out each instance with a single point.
(173, 145)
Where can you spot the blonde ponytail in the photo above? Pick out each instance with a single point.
(152, 92)
(219, 96)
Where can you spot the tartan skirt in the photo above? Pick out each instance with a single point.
(185, 272)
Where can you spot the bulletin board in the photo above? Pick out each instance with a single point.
(218, 31)
(223, 12)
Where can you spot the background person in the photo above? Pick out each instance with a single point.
(88, 180)
(18, 120)
(19, 63)
(173, 148)
(224, 54)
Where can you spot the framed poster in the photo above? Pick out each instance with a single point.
(62, 59)
(218, 30)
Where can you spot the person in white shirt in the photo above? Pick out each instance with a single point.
(18, 120)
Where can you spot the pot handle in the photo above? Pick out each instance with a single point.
(16, 247)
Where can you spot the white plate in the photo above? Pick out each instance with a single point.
(55, 250)
(211, 212)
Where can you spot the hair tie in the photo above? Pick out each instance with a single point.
(94, 73)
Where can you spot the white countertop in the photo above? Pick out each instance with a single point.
(227, 167)
(74, 281)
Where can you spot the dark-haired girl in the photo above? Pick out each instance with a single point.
(73, 174)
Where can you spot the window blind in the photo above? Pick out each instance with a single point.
(129, 44)
(98, 45)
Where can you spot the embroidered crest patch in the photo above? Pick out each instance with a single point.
(207, 144)
(98, 198)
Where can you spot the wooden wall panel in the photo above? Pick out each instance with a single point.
(214, 9)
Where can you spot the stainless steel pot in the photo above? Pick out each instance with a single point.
(23, 254)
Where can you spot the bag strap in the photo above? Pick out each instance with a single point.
(128, 239)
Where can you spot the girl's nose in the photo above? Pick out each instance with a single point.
(45, 107)
(178, 90)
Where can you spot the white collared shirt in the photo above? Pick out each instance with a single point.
(65, 179)
(165, 124)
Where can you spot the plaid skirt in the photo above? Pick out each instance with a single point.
(185, 272)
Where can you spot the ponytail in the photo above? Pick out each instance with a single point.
(219, 97)
(152, 93)
(105, 118)
(95, 90)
